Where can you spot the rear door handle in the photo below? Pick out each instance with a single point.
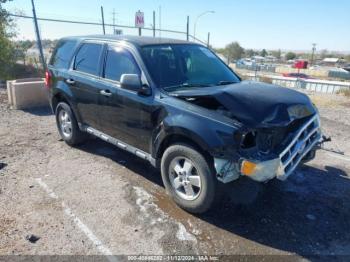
(70, 81)
(105, 92)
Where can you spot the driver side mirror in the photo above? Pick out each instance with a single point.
(133, 82)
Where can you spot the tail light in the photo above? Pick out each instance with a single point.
(48, 79)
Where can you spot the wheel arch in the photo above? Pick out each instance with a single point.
(62, 97)
(182, 138)
(56, 99)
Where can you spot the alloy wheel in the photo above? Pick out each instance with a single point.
(184, 178)
(65, 123)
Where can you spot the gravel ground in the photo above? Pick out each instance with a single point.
(96, 199)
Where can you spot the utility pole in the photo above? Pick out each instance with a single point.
(160, 21)
(103, 21)
(113, 13)
(188, 28)
(38, 39)
(154, 24)
(313, 53)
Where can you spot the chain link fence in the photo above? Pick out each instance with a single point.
(52, 28)
(82, 27)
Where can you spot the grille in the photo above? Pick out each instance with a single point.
(305, 139)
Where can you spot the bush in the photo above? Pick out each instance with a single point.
(26, 71)
(290, 56)
(7, 50)
(265, 79)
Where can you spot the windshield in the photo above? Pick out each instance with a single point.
(186, 66)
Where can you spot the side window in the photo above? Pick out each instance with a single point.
(87, 58)
(63, 53)
(119, 61)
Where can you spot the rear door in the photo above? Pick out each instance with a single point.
(83, 80)
(59, 64)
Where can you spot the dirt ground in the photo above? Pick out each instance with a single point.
(96, 199)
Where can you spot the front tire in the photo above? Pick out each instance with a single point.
(68, 126)
(188, 178)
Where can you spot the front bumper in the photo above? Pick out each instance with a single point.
(304, 141)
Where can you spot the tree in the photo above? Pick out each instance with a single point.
(263, 53)
(22, 48)
(219, 50)
(7, 50)
(277, 53)
(347, 58)
(290, 56)
(250, 52)
(233, 51)
(305, 55)
(324, 53)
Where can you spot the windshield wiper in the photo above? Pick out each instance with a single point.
(184, 85)
(222, 83)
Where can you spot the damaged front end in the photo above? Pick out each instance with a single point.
(280, 128)
(275, 152)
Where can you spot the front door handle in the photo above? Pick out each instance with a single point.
(70, 81)
(105, 92)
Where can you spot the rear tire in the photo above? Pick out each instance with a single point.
(188, 178)
(68, 126)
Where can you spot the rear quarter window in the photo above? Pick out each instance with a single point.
(63, 53)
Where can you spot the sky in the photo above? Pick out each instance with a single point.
(257, 24)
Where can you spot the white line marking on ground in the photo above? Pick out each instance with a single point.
(104, 250)
(338, 156)
(46, 188)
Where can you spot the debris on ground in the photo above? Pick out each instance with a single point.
(2, 165)
(32, 238)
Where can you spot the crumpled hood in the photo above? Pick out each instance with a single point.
(257, 104)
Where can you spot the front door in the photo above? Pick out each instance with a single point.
(124, 114)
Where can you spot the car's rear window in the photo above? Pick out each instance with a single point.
(62, 54)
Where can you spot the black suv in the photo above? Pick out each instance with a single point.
(178, 106)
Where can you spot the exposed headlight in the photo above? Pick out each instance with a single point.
(245, 139)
